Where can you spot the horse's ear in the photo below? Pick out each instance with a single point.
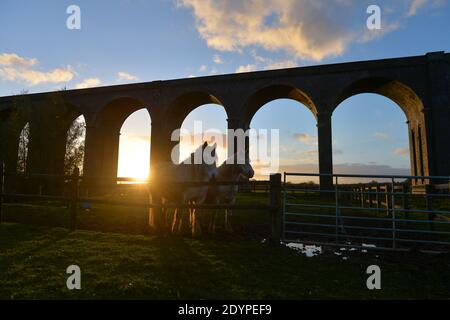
(205, 144)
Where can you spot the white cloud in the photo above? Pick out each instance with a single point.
(415, 6)
(381, 135)
(217, 59)
(16, 68)
(33, 77)
(12, 59)
(401, 152)
(371, 35)
(281, 64)
(247, 68)
(124, 76)
(303, 29)
(306, 138)
(88, 83)
(202, 68)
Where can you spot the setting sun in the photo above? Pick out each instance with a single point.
(134, 157)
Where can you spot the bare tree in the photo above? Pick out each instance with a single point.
(22, 155)
(75, 146)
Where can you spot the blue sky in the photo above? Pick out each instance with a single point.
(124, 41)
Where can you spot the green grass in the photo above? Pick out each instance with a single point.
(33, 261)
(123, 262)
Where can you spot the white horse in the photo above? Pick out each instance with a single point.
(167, 186)
(226, 194)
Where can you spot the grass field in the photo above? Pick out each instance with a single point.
(33, 261)
(122, 262)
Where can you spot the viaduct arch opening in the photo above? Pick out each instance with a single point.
(277, 107)
(103, 136)
(206, 123)
(134, 146)
(411, 105)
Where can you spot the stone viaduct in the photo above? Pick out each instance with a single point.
(420, 85)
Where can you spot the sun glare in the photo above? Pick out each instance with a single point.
(134, 148)
(134, 157)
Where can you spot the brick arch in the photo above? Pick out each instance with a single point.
(114, 113)
(183, 105)
(270, 93)
(395, 90)
(411, 105)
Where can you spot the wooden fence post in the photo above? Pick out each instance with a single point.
(378, 199)
(2, 188)
(387, 198)
(276, 208)
(74, 198)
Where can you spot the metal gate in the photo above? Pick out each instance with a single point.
(386, 212)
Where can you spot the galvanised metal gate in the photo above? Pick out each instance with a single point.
(386, 212)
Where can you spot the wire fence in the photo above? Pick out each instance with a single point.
(389, 212)
(74, 191)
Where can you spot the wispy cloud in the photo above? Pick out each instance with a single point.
(305, 138)
(402, 152)
(12, 59)
(217, 59)
(247, 68)
(381, 135)
(88, 83)
(416, 5)
(124, 76)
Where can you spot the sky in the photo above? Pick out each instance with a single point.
(126, 41)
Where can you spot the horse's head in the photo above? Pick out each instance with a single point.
(206, 162)
(242, 166)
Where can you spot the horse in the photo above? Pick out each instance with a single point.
(168, 187)
(226, 194)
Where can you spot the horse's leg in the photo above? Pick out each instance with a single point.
(211, 221)
(183, 226)
(212, 225)
(174, 221)
(226, 220)
(196, 224)
(228, 214)
(155, 215)
(192, 220)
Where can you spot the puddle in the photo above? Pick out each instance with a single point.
(308, 250)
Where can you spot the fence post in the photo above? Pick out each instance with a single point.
(378, 197)
(388, 200)
(394, 224)
(2, 188)
(275, 211)
(337, 210)
(429, 206)
(405, 200)
(74, 198)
